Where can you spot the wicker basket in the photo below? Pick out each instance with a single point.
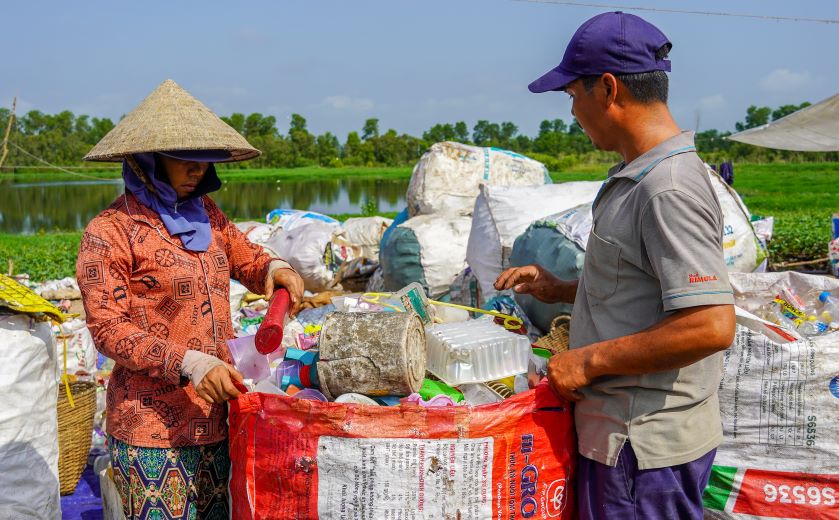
(75, 429)
(556, 340)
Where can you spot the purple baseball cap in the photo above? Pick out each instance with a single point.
(614, 42)
(208, 156)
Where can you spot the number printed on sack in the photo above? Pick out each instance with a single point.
(811, 431)
(811, 495)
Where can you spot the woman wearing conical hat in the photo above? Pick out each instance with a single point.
(154, 270)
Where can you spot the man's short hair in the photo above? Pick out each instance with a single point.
(645, 87)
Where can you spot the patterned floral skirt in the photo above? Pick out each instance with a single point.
(179, 483)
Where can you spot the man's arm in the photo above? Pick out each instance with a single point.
(677, 341)
(538, 282)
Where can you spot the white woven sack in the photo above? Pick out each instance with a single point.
(28, 419)
(502, 213)
(447, 177)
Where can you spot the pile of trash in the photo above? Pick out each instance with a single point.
(386, 349)
(801, 316)
(328, 255)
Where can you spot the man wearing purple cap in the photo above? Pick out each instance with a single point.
(653, 308)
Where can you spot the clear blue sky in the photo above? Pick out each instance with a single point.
(411, 64)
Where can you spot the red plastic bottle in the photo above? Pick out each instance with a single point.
(269, 336)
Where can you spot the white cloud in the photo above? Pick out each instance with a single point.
(783, 80)
(348, 103)
(712, 102)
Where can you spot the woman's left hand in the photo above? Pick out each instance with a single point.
(292, 282)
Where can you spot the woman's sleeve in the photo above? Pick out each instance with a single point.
(103, 270)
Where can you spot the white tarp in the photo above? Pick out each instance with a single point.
(811, 129)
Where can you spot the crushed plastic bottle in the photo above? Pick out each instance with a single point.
(812, 327)
(786, 308)
(830, 309)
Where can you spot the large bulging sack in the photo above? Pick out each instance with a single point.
(365, 234)
(28, 419)
(289, 219)
(295, 458)
(502, 213)
(447, 177)
(427, 249)
(778, 403)
(305, 248)
(557, 243)
(744, 252)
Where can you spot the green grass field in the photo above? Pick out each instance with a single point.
(801, 197)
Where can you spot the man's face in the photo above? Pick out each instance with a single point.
(588, 107)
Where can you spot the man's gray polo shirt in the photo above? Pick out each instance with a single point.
(655, 247)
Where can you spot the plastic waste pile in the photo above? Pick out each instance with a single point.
(387, 349)
(811, 314)
(327, 254)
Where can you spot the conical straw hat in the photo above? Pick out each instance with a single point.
(170, 119)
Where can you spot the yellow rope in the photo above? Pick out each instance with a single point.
(66, 378)
(510, 322)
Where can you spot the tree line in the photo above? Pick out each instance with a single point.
(64, 138)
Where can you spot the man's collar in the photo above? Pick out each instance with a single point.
(637, 169)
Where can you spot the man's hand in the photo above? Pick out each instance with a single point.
(217, 386)
(567, 373)
(536, 281)
(292, 282)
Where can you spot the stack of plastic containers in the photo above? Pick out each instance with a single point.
(475, 351)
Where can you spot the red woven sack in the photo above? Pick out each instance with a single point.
(300, 459)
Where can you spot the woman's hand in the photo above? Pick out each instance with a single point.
(289, 279)
(217, 386)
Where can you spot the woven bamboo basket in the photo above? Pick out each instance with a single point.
(75, 428)
(556, 340)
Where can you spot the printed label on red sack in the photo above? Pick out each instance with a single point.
(777, 494)
(389, 479)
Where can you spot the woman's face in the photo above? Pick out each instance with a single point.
(184, 176)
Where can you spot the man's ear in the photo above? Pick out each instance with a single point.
(610, 86)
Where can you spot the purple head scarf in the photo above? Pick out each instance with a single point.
(187, 219)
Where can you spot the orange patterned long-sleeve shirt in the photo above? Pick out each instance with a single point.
(148, 300)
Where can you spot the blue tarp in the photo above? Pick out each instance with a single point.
(86, 501)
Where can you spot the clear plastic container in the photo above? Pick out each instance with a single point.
(475, 351)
